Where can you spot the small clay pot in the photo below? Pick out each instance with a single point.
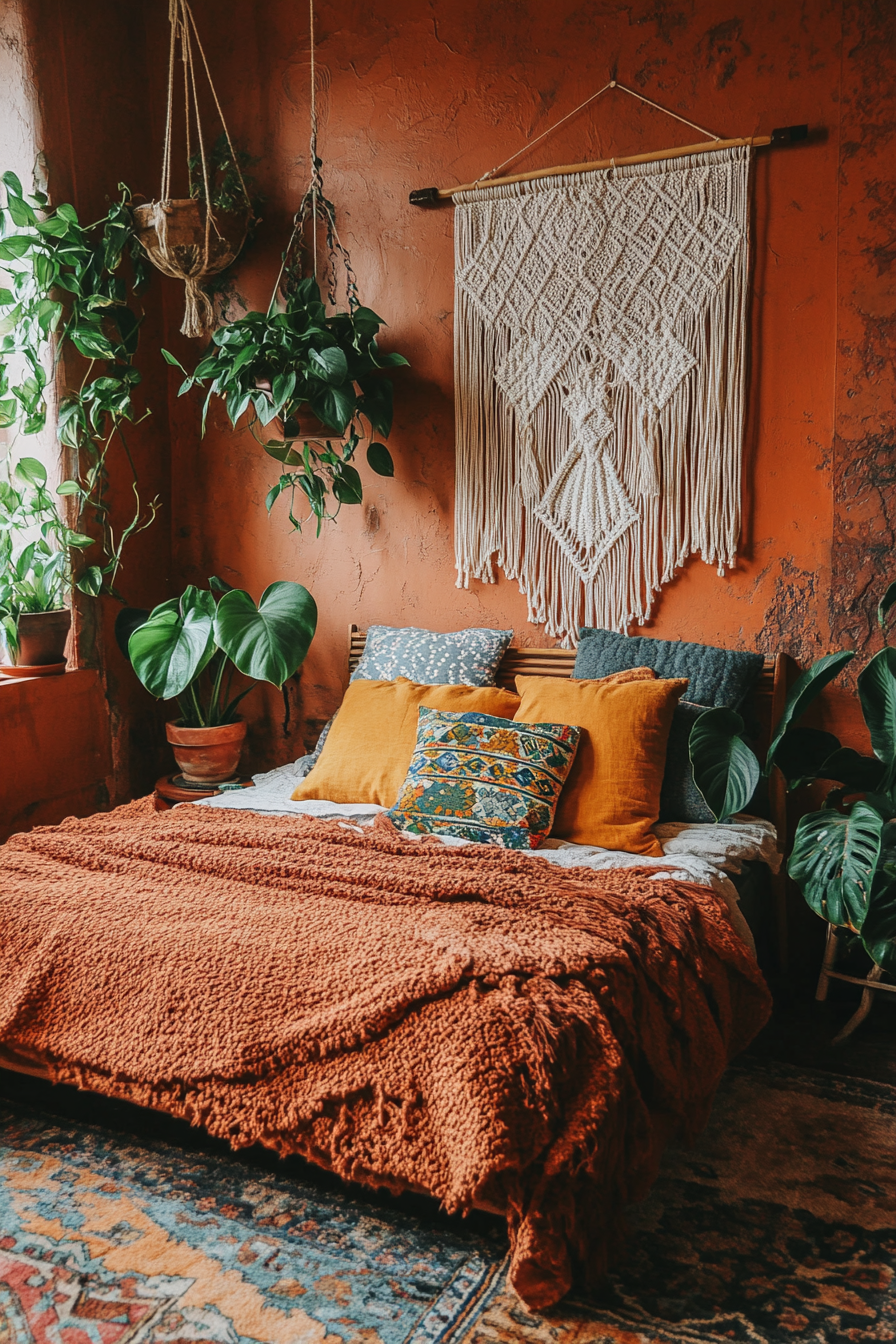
(209, 755)
(42, 636)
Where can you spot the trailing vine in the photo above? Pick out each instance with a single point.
(70, 289)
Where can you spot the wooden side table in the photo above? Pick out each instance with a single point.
(173, 789)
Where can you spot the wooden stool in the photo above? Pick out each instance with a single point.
(173, 789)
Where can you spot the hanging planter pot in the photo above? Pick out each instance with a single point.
(184, 240)
(200, 236)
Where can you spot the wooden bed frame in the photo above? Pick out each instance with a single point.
(770, 694)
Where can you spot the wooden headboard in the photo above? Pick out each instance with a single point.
(768, 702)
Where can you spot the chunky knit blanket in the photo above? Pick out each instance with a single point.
(466, 1021)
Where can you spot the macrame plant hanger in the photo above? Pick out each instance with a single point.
(193, 238)
(316, 214)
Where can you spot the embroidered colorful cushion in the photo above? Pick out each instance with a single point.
(484, 778)
(371, 740)
(458, 658)
(612, 796)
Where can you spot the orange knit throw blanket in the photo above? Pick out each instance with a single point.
(467, 1021)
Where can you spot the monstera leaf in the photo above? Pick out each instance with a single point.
(173, 647)
(803, 755)
(267, 642)
(834, 861)
(725, 769)
(803, 692)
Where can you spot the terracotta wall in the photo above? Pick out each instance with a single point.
(415, 94)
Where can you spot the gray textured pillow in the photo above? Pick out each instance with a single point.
(716, 677)
(459, 658)
(680, 799)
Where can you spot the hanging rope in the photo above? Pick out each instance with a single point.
(316, 209)
(613, 84)
(171, 243)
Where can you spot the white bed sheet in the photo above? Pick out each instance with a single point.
(703, 853)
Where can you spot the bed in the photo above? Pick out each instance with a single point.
(483, 1026)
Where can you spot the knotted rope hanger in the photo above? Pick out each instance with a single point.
(315, 208)
(780, 136)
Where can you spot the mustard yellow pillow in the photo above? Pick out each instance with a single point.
(369, 747)
(612, 793)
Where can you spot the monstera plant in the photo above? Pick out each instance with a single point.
(190, 649)
(844, 854)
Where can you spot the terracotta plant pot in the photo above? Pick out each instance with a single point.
(42, 636)
(209, 755)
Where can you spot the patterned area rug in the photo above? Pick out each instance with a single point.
(779, 1225)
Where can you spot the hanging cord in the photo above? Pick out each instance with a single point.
(314, 207)
(613, 84)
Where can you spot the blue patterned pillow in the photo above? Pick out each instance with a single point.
(459, 658)
(491, 780)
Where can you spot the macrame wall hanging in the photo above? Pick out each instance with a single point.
(600, 342)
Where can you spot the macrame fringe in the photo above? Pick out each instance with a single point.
(680, 467)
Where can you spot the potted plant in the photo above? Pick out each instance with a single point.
(844, 854)
(190, 648)
(65, 301)
(297, 361)
(35, 571)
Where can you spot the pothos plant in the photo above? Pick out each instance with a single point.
(295, 357)
(844, 854)
(69, 288)
(35, 548)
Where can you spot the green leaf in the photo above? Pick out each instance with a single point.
(283, 452)
(91, 581)
(273, 495)
(283, 388)
(172, 648)
(803, 692)
(54, 227)
(31, 471)
(725, 769)
(14, 247)
(834, 860)
(332, 363)
(802, 754)
(7, 298)
(172, 359)
(858, 774)
(127, 621)
(879, 928)
(92, 343)
(245, 356)
(347, 486)
(885, 604)
(20, 212)
(268, 642)
(79, 540)
(13, 184)
(376, 403)
(67, 212)
(9, 410)
(379, 459)
(877, 692)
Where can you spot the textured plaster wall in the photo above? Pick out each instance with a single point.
(414, 94)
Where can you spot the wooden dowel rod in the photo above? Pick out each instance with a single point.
(784, 135)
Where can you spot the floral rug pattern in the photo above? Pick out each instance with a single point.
(779, 1225)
